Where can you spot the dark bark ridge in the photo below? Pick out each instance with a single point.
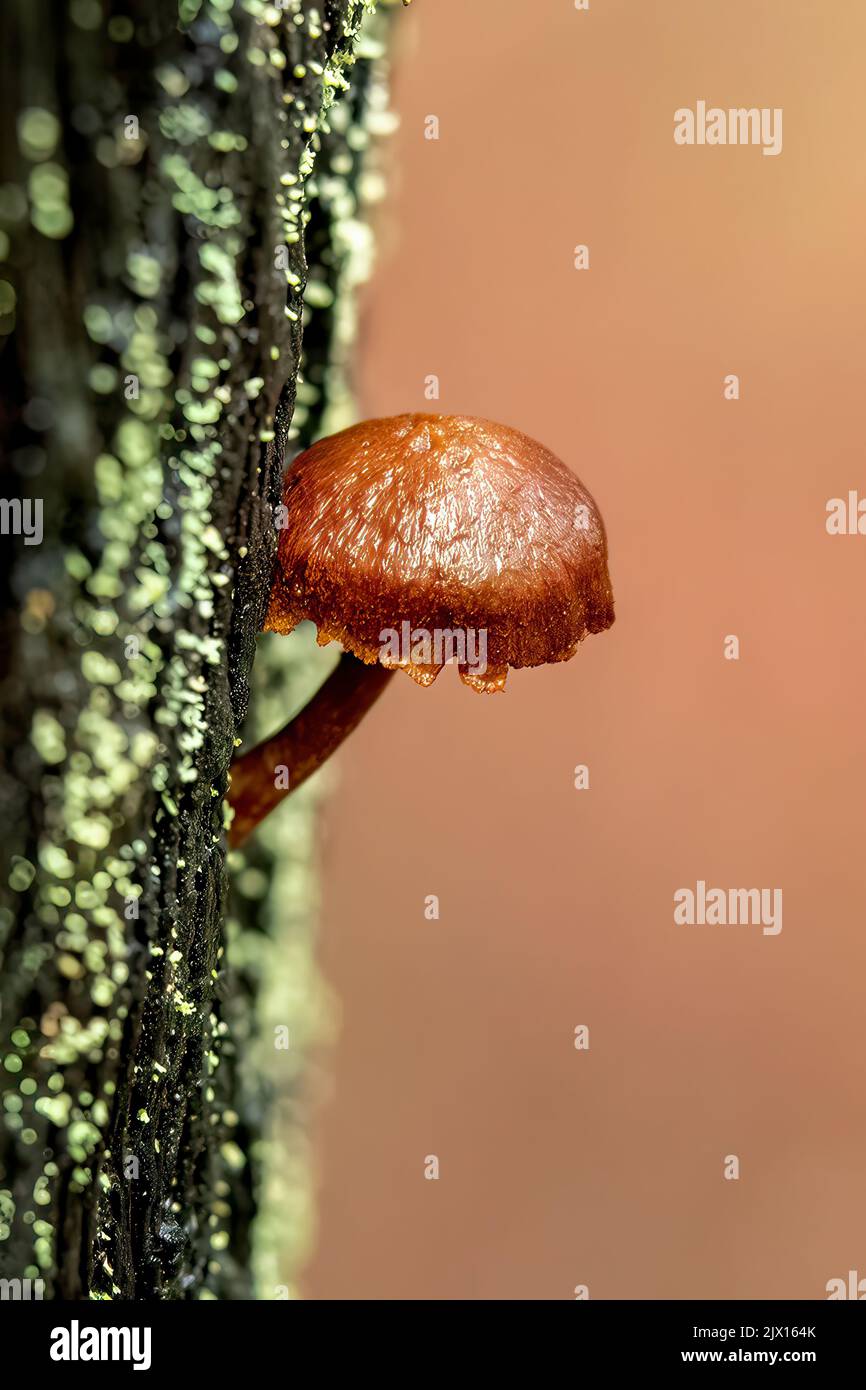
(153, 205)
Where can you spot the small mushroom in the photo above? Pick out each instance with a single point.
(415, 541)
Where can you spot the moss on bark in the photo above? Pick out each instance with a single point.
(159, 166)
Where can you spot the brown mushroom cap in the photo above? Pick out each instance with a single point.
(446, 523)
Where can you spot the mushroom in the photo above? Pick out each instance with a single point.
(416, 541)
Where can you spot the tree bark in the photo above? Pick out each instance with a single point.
(168, 187)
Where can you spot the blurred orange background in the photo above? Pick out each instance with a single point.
(605, 1167)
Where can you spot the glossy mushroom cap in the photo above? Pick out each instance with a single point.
(449, 524)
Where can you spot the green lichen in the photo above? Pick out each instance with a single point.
(174, 424)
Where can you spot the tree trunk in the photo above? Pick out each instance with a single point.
(172, 176)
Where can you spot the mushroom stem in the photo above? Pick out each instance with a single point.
(302, 745)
